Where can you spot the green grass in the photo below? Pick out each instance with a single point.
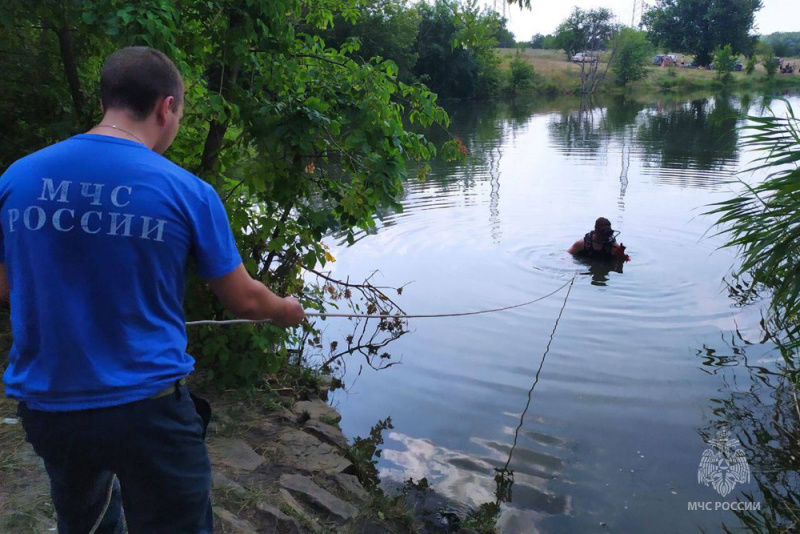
(330, 420)
(387, 509)
(237, 501)
(564, 77)
(25, 504)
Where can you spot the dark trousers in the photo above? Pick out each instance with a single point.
(155, 448)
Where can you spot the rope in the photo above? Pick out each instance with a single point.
(536, 379)
(388, 316)
(105, 506)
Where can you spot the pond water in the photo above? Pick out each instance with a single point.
(611, 436)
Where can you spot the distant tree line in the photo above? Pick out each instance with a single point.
(448, 44)
(699, 28)
(784, 44)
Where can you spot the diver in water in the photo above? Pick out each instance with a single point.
(600, 243)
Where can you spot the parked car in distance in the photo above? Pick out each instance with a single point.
(580, 57)
(672, 59)
(736, 66)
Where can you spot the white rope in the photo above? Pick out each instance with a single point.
(105, 506)
(388, 316)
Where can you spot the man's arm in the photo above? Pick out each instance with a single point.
(250, 299)
(576, 247)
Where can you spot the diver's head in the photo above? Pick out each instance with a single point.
(603, 230)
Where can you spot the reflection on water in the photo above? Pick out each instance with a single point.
(679, 140)
(762, 410)
(640, 361)
(700, 135)
(516, 473)
(600, 270)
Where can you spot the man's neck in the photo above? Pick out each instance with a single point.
(118, 124)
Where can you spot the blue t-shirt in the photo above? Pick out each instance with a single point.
(97, 233)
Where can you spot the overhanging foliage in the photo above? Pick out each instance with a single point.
(763, 221)
(296, 136)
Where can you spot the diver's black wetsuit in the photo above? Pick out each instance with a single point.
(590, 252)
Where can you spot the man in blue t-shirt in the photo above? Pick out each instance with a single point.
(97, 233)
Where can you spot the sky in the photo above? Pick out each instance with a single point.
(545, 15)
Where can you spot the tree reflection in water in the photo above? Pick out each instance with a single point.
(700, 134)
(764, 413)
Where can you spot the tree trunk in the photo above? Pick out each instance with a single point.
(228, 79)
(275, 233)
(212, 147)
(67, 49)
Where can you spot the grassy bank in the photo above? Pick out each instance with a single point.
(552, 67)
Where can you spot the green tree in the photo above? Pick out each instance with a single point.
(585, 30)
(537, 41)
(489, 75)
(384, 28)
(549, 42)
(477, 32)
(724, 61)
(455, 48)
(700, 26)
(633, 53)
(545, 42)
(297, 137)
(504, 37)
(446, 68)
(38, 44)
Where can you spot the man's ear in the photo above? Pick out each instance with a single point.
(163, 108)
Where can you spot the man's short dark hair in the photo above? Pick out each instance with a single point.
(136, 77)
(601, 222)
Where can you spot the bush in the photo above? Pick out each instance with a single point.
(750, 65)
(770, 65)
(632, 54)
(682, 83)
(666, 83)
(521, 75)
(546, 87)
(724, 61)
(745, 84)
